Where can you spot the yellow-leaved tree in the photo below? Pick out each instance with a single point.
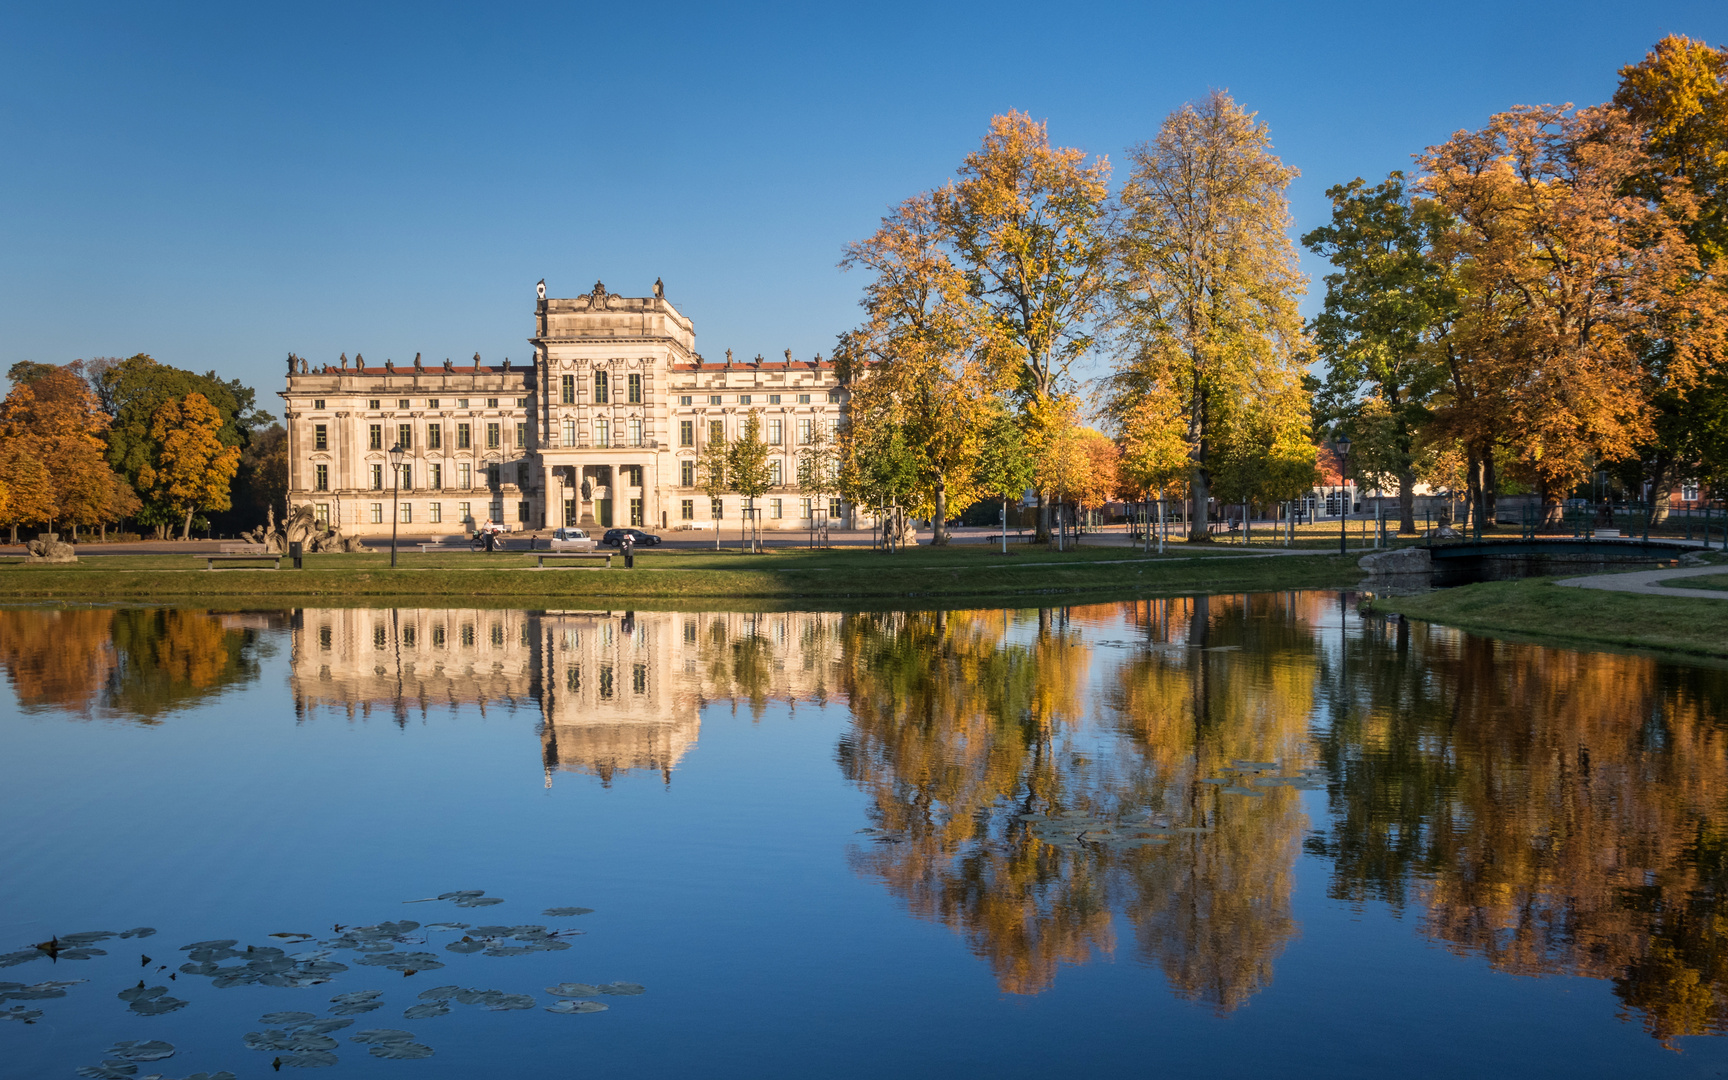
(193, 470)
(1206, 302)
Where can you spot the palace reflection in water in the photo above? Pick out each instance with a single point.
(1550, 812)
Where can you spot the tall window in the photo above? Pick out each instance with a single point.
(833, 397)
(634, 395)
(686, 433)
(375, 437)
(687, 510)
(377, 477)
(602, 432)
(803, 432)
(633, 475)
(774, 474)
(405, 436)
(464, 475)
(523, 509)
(716, 509)
(522, 475)
(567, 389)
(434, 436)
(686, 474)
(321, 478)
(407, 477)
(569, 433)
(492, 438)
(521, 436)
(402, 403)
(465, 513)
(716, 431)
(437, 476)
(773, 508)
(435, 512)
(834, 509)
(320, 437)
(317, 403)
(405, 513)
(1689, 491)
(776, 432)
(321, 514)
(635, 429)
(636, 513)
(600, 388)
(377, 513)
(464, 437)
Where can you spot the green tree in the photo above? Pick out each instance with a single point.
(747, 469)
(1382, 305)
(1005, 468)
(818, 470)
(1208, 283)
(713, 466)
(192, 470)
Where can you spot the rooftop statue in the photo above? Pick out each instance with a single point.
(659, 290)
(541, 289)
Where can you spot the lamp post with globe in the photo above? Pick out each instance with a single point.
(1341, 447)
(396, 453)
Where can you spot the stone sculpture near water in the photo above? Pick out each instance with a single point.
(302, 527)
(48, 547)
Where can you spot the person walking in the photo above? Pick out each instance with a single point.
(491, 536)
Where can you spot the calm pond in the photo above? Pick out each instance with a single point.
(1239, 836)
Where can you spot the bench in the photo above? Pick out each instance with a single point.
(444, 547)
(542, 556)
(243, 549)
(210, 561)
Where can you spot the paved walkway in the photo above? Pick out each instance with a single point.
(1644, 582)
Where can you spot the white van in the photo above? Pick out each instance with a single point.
(568, 539)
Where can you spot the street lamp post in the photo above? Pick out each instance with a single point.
(1341, 446)
(396, 453)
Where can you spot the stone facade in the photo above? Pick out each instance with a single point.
(615, 692)
(602, 428)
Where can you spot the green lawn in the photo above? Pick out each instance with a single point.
(1537, 608)
(1709, 581)
(796, 575)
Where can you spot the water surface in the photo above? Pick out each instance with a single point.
(1246, 835)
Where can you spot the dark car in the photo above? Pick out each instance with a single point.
(615, 538)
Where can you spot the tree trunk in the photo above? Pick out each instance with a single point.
(186, 531)
(941, 522)
(1043, 526)
(1199, 520)
(1490, 489)
(1659, 490)
(1472, 488)
(1407, 502)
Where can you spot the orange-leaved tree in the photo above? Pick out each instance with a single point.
(192, 470)
(51, 448)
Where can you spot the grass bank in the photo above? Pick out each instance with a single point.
(837, 575)
(1538, 609)
(1718, 582)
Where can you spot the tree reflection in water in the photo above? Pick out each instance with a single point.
(131, 664)
(1553, 812)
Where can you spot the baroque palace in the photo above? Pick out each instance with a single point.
(603, 428)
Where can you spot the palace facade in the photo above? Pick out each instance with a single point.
(603, 427)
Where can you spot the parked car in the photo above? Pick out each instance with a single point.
(568, 539)
(615, 538)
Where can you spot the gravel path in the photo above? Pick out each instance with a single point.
(1645, 582)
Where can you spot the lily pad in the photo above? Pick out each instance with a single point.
(21, 1014)
(623, 989)
(159, 1006)
(286, 1019)
(400, 1051)
(466, 945)
(357, 996)
(310, 1059)
(86, 937)
(462, 894)
(447, 926)
(566, 912)
(141, 992)
(425, 1010)
(108, 1072)
(574, 990)
(479, 901)
(22, 956)
(440, 993)
(150, 1050)
(219, 943)
(381, 1035)
(577, 1007)
(36, 991)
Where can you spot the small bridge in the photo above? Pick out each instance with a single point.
(1493, 560)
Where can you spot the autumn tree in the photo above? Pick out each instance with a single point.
(1029, 230)
(1570, 279)
(1677, 99)
(192, 469)
(262, 482)
(818, 470)
(51, 426)
(747, 467)
(926, 349)
(1384, 300)
(1207, 288)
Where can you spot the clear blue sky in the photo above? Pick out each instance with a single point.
(220, 185)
